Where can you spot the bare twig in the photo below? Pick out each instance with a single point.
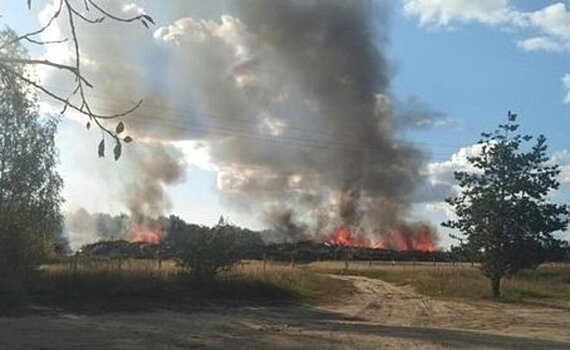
(83, 106)
(66, 101)
(49, 42)
(71, 69)
(39, 31)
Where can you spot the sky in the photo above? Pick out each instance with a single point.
(470, 61)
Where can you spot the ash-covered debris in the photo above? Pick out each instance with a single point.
(124, 249)
(298, 252)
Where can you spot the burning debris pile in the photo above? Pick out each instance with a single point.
(298, 252)
(149, 233)
(119, 236)
(308, 251)
(124, 249)
(401, 239)
(84, 228)
(167, 235)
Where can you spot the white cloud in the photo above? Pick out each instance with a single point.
(197, 154)
(566, 84)
(550, 24)
(443, 208)
(443, 12)
(553, 20)
(541, 43)
(562, 158)
(440, 182)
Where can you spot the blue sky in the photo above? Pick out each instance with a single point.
(464, 59)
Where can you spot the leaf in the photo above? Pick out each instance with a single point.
(101, 150)
(117, 150)
(88, 125)
(145, 24)
(120, 128)
(148, 18)
(128, 139)
(29, 4)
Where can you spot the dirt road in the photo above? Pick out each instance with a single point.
(380, 316)
(381, 302)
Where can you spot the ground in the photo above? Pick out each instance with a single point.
(378, 316)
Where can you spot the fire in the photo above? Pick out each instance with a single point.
(421, 241)
(147, 235)
(400, 240)
(343, 237)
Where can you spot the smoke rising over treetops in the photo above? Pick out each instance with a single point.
(291, 99)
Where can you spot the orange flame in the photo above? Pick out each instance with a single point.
(147, 235)
(422, 241)
(343, 237)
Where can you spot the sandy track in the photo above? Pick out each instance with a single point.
(380, 316)
(378, 301)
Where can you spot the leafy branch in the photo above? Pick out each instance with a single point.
(90, 12)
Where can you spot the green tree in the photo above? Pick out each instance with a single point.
(207, 251)
(30, 200)
(502, 209)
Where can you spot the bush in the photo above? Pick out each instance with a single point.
(208, 251)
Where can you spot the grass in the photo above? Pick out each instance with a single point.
(304, 285)
(100, 285)
(548, 285)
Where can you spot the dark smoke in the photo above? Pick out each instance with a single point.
(292, 99)
(155, 168)
(328, 58)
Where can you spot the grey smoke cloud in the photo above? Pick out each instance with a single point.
(83, 227)
(290, 98)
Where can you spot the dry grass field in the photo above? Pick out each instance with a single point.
(94, 284)
(548, 285)
(141, 304)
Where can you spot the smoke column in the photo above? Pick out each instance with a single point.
(292, 100)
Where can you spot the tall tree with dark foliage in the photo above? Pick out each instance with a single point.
(502, 209)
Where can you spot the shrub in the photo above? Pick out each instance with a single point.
(208, 251)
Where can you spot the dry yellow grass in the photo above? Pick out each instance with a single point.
(112, 283)
(549, 284)
(251, 280)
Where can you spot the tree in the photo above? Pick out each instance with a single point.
(73, 12)
(502, 209)
(207, 251)
(30, 200)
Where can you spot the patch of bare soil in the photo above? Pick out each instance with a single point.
(380, 316)
(381, 302)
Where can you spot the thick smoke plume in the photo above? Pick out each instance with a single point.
(317, 71)
(139, 180)
(156, 166)
(292, 99)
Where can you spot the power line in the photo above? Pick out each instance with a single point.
(177, 125)
(188, 126)
(235, 119)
